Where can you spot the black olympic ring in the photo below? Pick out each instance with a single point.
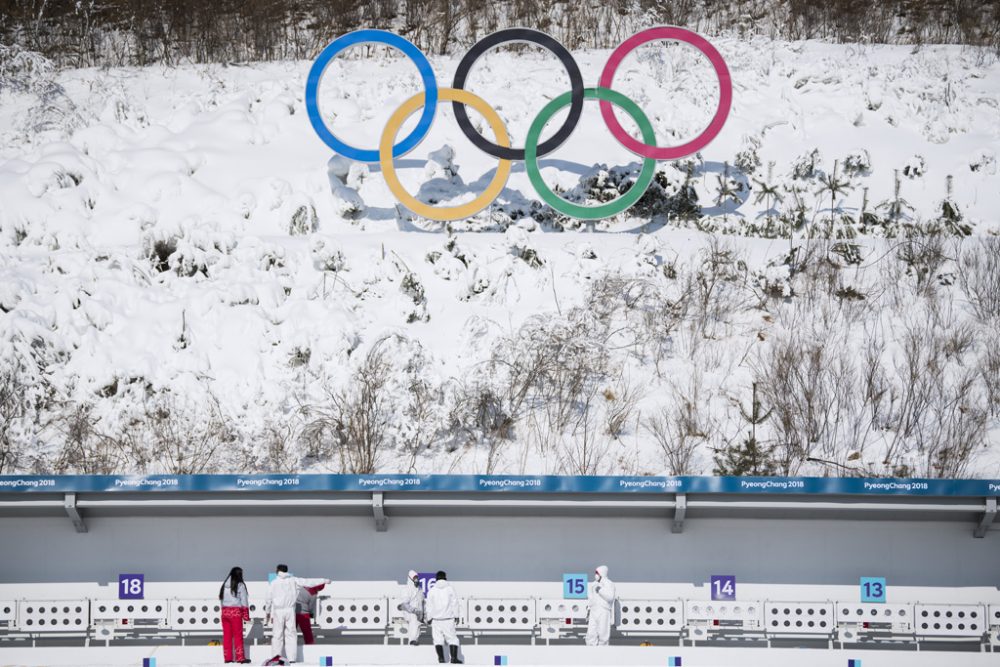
(546, 42)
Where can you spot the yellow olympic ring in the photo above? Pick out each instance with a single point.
(392, 180)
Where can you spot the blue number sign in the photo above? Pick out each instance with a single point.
(574, 586)
(873, 589)
(723, 587)
(131, 586)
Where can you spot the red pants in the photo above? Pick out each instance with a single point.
(305, 625)
(232, 634)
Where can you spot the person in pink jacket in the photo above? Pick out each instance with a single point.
(235, 609)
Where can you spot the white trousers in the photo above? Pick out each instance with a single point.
(284, 634)
(599, 627)
(443, 632)
(412, 626)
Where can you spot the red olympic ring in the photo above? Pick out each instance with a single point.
(721, 113)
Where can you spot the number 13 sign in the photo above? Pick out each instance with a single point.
(873, 589)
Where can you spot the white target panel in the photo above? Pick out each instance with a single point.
(799, 618)
(747, 613)
(651, 616)
(352, 613)
(53, 615)
(501, 614)
(557, 616)
(195, 615)
(131, 613)
(994, 615)
(558, 609)
(897, 616)
(704, 619)
(399, 625)
(8, 613)
(950, 620)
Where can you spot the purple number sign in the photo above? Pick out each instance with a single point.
(723, 587)
(131, 586)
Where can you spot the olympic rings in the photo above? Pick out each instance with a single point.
(533, 37)
(362, 37)
(605, 95)
(501, 148)
(721, 112)
(389, 172)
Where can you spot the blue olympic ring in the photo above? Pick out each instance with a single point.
(389, 39)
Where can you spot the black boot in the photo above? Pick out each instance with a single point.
(440, 652)
(454, 656)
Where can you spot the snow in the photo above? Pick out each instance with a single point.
(184, 230)
(525, 656)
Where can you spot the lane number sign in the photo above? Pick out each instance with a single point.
(574, 586)
(723, 587)
(873, 589)
(131, 586)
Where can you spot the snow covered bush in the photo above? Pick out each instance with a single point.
(806, 166)
(857, 163)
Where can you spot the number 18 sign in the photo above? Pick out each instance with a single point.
(131, 586)
(723, 587)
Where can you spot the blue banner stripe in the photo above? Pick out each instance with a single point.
(500, 484)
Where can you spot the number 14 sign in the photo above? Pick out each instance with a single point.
(723, 587)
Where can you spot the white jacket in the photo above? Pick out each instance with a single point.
(602, 592)
(284, 590)
(413, 599)
(442, 603)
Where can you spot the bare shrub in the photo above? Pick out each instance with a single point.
(484, 413)
(13, 409)
(178, 435)
(941, 418)
(989, 368)
(85, 449)
(681, 428)
(719, 288)
(353, 425)
(26, 400)
(278, 441)
(979, 276)
(584, 449)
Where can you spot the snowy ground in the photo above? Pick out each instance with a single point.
(176, 232)
(519, 656)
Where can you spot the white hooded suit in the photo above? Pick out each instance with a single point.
(412, 606)
(280, 605)
(441, 611)
(601, 597)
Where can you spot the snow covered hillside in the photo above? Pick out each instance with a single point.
(189, 282)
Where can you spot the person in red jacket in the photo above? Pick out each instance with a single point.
(305, 609)
(235, 609)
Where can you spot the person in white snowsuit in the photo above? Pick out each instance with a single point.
(442, 612)
(412, 607)
(280, 609)
(602, 608)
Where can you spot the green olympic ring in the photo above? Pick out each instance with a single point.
(576, 210)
